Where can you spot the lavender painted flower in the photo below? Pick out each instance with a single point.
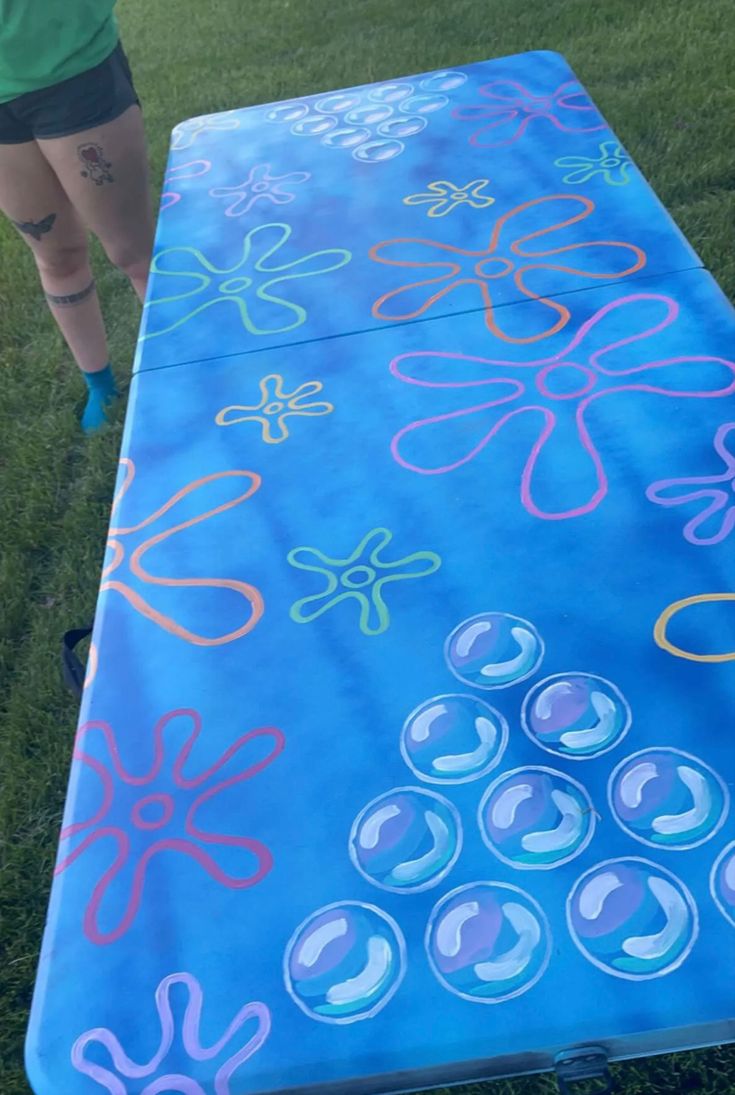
(260, 185)
(714, 493)
(164, 1073)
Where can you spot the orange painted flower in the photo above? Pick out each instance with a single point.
(135, 564)
(504, 257)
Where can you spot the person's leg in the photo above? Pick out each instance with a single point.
(104, 172)
(34, 200)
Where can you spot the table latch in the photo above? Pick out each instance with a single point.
(587, 1063)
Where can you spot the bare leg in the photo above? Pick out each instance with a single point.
(32, 197)
(104, 172)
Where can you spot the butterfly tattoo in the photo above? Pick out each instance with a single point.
(36, 229)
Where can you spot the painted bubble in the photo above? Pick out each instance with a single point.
(453, 739)
(406, 840)
(345, 962)
(287, 112)
(390, 93)
(314, 125)
(667, 799)
(345, 137)
(632, 918)
(722, 882)
(402, 127)
(575, 715)
(372, 114)
(337, 104)
(377, 151)
(536, 818)
(443, 81)
(488, 942)
(424, 104)
(493, 650)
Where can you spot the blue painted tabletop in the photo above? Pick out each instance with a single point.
(404, 751)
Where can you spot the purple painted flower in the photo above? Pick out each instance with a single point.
(564, 474)
(511, 108)
(260, 185)
(172, 1079)
(714, 493)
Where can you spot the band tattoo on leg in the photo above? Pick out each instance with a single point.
(71, 298)
(36, 229)
(95, 167)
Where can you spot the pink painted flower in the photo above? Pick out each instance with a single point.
(174, 1079)
(260, 185)
(144, 815)
(718, 491)
(511, 108)
(552, 397)
(191, 170)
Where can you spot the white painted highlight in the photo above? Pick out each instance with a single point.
(596, 892)
(369, 980)
(370, 830)
(652, 947)
(515, 960)
(604, 708)
(512, 666)
(566, 833)
(449, 931)
(506, 805)
(413, 869)
(463, 762)
(312, 947)
(673, 824)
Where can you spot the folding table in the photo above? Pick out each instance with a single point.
(405, 753)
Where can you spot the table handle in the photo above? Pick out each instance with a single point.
(71, 667)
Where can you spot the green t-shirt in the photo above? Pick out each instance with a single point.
(45, 41)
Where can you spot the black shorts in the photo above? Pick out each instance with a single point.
(82, 102)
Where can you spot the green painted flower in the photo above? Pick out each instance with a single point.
(197, 284)
(360, 577)
(612, 163)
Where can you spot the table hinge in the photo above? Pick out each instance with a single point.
(587, 1063)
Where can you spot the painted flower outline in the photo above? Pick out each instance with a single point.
(511, 108)
(243, 284)
(704, 488)
(153, 810)
(190, 1037)
(275, 406)
(459, 266)
(185, 133)
(361, 577)
(442, 196)
(260, 185)
(612, 164)
(562, 382)
(193, 169)
(115, 545)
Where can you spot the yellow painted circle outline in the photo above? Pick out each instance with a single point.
(659, 631)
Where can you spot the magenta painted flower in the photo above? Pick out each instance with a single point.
(144, 815)
(715, 494)
(260, 185)
(511, 108)
(549, 401)
(166, 1071)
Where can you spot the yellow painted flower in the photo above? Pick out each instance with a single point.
(275, 407)
(443, 197)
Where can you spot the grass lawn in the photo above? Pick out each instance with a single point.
(661, 70)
